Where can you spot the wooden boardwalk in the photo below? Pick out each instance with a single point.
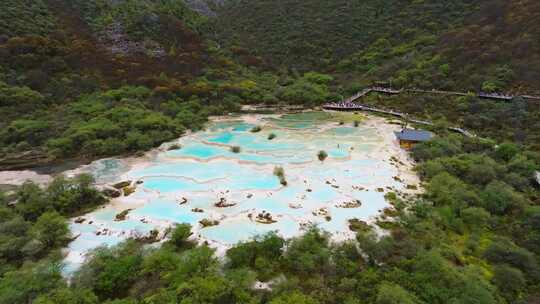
(360, 107)
(350, 105)
(391, 91)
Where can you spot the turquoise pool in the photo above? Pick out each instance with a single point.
(205, 170)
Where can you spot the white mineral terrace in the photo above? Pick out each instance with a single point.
(184, 185)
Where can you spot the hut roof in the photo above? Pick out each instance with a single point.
(414, 135)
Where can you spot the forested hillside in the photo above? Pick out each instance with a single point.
(77, 76)
(468, 45)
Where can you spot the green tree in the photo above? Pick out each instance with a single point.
(32, 201)
(68, 296)
(394, 294)
(33, 279)
(506, 151)
(308, 254)
(503, 251)
(447, 190)
(510, 281)
(180, 236)
(51, 229)
(500, 198)
(293, 297)
(475, 217)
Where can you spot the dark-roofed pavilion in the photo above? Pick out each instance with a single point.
(409, 137)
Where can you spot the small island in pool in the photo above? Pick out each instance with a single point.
(232, 196)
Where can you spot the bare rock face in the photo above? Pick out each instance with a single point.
(115, 38)
(204, 7)
(23, 160)
(201, 7)
(111, 192)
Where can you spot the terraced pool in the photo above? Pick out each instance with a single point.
(183, 185)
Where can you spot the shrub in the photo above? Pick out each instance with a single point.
(175, 147)
(503, 251)
(180, 236)
(322, 155)
(235, 149)
(271, 136)
(500, 198)
(280, 173)
(256, 129)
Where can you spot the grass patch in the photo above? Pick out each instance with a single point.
(347, 118)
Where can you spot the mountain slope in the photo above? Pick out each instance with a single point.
(444, 44)
(119, 61)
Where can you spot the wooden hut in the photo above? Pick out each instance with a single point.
(409, 137)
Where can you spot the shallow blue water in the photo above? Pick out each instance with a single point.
(204, 171)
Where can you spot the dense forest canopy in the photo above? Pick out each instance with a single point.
(90, 78)
(430, 44)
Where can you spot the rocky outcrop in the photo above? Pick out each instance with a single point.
(111, 192)
(223, 203)
(152, 237)
(295, 206)
(122, 184)
(208, 223)
(350, 204)
(24, 160)
(126, 187)
(321, 212)
(203, 6)
(265, 218)
(117, 41)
